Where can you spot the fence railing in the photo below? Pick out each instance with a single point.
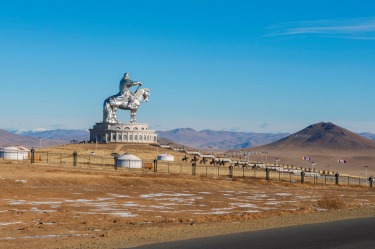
(271, 173)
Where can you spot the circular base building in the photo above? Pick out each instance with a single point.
(122, 133)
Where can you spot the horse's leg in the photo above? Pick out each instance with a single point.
(133, 116)
(114, 116)
(107, 112)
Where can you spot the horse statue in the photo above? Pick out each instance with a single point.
(115, 102)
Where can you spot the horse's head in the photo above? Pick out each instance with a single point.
(146, 94)
(142, 93)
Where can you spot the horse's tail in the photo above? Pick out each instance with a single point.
(106, 109)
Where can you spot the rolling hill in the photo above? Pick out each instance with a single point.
(324, 144)
(323, 136)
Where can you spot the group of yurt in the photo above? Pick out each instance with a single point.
(19, 153)
(133, 162)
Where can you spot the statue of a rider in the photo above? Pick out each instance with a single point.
(122, 100)
(125, 95)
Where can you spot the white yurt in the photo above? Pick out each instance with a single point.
(129, 161)
(165, 157)
(14, 153)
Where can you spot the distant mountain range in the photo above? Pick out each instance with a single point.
(313, 134)
(41, 138)
(59, 134)
(368, 135)
(204, 139)
(219, 139)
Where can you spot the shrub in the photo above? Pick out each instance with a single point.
(331, 202)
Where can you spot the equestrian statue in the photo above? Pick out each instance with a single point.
(125, 100)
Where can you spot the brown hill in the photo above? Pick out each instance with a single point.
(323, 136)
(325, 144)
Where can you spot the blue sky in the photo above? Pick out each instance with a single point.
(253, 66)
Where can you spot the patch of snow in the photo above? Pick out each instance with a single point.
(273, 203)
(36, 210)
(123, 214)
(130, 204)
(19, 202)
(78, 201)
(215, 212)
(9, 223)
(21, 181)
(165, 194)
(104, 199)
(283, 194)
(119, 196)
(45, 202)
(244, 205)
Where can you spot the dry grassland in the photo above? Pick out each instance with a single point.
(64, 207)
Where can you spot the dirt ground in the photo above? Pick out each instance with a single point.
(64, 207)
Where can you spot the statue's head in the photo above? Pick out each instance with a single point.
(126, 75)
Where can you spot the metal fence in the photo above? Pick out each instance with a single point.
(74, 159)
(108, 162)
(259, 173)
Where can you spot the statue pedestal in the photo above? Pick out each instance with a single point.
(122, 133)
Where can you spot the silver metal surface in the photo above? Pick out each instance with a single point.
(125, 99)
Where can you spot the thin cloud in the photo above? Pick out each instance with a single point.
(359, 28)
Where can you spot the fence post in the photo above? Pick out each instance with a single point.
(267, 174)
(303, 177)
(75, 155)
(155, 165)
(32, 155)
(337, 176)
(371, 180)
(193, 168)
(116, 159)
(231, 171)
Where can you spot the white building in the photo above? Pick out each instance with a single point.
(17, 153)
(165, 157)
(129, 161)
(122, 133)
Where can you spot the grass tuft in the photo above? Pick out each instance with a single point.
(331, 203)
